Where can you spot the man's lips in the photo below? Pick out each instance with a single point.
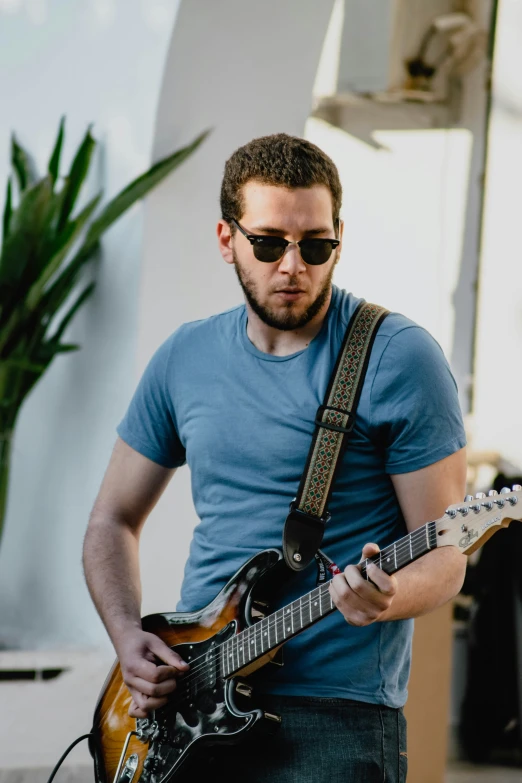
(290, 293)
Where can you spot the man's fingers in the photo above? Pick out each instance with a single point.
(135, 711)
(387, 585)
(377, 589)
(168, 656)
(369, 550)
(157, 690)
(146, 703)
(140, 667)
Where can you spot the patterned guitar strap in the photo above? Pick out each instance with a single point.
(304, 525)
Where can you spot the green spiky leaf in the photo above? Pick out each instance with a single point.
(79, 301)
(8, 210)
(139, 188)
(59, 249)
(76, 177)
(54, 162)
(27, 226)
(23, 164)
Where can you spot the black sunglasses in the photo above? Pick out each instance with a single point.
(270, 249)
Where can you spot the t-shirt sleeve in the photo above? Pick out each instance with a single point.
(415, 414)
(149, 425)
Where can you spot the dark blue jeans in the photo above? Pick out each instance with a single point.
(319, 741)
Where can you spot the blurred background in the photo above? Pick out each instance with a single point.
(419, 103)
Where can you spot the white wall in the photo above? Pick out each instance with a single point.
(411, 204)
(498, 373)
(101, 61)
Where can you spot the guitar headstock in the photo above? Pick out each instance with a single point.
(468, 525)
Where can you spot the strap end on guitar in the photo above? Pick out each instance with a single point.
(302, 537)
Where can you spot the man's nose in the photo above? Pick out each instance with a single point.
(292, 260)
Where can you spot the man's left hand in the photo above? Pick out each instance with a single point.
(363, 601)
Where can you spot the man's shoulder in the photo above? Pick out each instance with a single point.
(395, 325)
(204, 330)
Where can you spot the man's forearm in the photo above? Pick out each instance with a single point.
(111, 565)
(427, 584)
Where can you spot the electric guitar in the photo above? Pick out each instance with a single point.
(235, 635)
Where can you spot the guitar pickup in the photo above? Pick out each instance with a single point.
(259, 610)
(244, 688)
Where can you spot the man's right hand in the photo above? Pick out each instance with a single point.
(149, 669)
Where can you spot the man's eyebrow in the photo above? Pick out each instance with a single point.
(272, 230)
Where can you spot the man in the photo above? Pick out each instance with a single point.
(235, 396)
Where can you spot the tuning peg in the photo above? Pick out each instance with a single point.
(475, 507)
(504, 490)
(480, 495)
(492, 493)
(516, 487)
(513, 499)
(451, 513)
(468, 498)
(463, 510)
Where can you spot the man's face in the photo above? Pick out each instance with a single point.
(286, 294)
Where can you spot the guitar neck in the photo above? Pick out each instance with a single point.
(274, 630)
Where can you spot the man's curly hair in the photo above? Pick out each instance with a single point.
(282, 160)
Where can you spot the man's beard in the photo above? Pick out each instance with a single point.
(288, 320)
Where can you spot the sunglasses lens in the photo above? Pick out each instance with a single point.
(316, 251)
(269, 249)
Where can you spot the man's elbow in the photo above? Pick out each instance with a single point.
(457, 571)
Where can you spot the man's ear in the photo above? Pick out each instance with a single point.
(224, 235)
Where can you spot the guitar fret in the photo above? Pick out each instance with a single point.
(250, 643)
(300, 612)
(411, 551)
(395, 555)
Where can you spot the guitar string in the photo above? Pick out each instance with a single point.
(202, 675)
(295, 610)
(201, 671)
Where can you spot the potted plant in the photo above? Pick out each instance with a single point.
(46, 246)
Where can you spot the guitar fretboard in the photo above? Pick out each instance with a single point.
(272, 631)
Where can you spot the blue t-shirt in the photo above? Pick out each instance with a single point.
(243, 420)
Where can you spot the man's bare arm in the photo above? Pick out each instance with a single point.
(131, 487)
(430, 581)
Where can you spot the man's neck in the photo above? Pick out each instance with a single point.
(283, 343)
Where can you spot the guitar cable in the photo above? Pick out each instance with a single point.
(62, 759)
